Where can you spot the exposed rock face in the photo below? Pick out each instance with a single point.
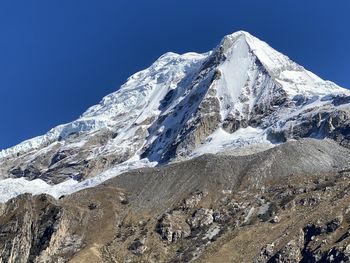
(34, 230)
(57, 162)
(292, 252)
(201, 218)
(176, 224)
(334, 125)
(173, 226)
(138, 246)
(194, 211)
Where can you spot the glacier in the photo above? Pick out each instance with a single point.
(238, 95)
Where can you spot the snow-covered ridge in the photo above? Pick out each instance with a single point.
(294, 78)
(242, 94)
(139, 96)
(138, 89)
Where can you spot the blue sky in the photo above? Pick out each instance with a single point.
(57, 58)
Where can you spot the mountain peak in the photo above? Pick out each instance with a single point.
(294, 78)
(247, 45)
(242, 95)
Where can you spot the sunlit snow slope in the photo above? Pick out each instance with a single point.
(241, 94)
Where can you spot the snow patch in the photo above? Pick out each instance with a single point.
(12, 187)
(221, 140)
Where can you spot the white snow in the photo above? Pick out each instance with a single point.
(136, 106)
(293, 77)
(221, 140)
(137, 100)
(234, 72)
(12, 187)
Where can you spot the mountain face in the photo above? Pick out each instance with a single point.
(194, 159)
(289, 203)
(242, 95)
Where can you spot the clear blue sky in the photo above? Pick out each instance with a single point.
(57, 58)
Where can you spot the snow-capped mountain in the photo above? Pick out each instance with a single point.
(241, 95)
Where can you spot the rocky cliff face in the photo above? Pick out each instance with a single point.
(208, 209)
(36, 230)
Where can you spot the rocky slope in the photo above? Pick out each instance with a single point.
(209, 209)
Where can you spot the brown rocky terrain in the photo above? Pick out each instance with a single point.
(216, 208)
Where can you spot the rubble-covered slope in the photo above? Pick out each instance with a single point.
(214, 208)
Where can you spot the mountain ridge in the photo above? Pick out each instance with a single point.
(194, 159)
(251, 40)
(241, 94)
